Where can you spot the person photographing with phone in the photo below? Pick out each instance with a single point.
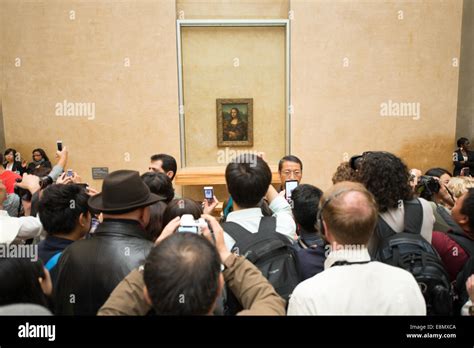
(290, 168)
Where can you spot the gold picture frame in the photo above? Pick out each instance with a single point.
(234, 122)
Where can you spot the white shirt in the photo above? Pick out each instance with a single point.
(9, 166)
(22, 228)
(250, 220)
(372, 288)
(395, 218)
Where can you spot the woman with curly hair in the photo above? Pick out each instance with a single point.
(387, 178)
(344, 172)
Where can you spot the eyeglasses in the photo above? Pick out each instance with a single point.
(289, 172)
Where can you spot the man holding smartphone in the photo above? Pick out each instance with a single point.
(290, 168)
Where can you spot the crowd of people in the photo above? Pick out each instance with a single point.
(383, 240)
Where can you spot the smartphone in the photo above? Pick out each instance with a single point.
(94, 224)
(69, 173)
(209, 193)
(466, 171)
(290, 185)
(59, 143)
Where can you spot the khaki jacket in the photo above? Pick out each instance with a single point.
(255, 293)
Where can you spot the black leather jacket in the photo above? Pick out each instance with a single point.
(90, 269)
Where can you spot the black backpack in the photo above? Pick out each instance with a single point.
(410, 251)
(272, 253)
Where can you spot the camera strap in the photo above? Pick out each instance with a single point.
(346, 263)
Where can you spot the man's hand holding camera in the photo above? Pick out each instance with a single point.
(29, 182)
(216, 236)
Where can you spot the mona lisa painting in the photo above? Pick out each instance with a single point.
(234, 122)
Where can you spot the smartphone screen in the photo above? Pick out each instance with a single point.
(209, 193)
(290, 185)
(69, 172)
(59, 143)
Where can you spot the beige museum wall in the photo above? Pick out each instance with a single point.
(120, 55)
(233, 63)
(337, 108)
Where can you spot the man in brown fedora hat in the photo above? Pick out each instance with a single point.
(89, 269)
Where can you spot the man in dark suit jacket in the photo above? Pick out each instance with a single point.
(90, 269)
(463, 157)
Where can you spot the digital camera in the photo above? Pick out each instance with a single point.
(427, 186)
(188, 224)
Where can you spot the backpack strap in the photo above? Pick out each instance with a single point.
(449, 220)
(413, 222)
(234, 230)
(237, 232)
(52, 262)
(267, 226)
(383, 228)
(413, 216)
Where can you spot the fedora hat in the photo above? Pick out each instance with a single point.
(123, 190)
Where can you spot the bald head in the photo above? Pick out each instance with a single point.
(349, 212)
